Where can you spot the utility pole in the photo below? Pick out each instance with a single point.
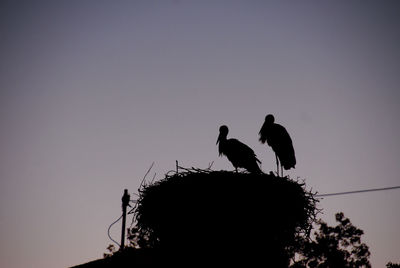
(125, 202)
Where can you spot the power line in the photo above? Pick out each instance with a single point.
(359, 191)
(108, 231)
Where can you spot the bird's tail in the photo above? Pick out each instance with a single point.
(257, 170)
(254, 167)
(289, 161)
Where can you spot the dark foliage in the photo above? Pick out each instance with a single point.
(392, 265)
(223, 217)
(338, 246)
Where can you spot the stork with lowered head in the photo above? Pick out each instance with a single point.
(238, 153)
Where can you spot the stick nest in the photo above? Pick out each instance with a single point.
(198, 208)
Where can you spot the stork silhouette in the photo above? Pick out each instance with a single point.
(279, 140)
(237, 152)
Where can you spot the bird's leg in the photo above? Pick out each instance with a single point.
(281, 171)
(277, 164)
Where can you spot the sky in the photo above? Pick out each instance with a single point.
(93, 92)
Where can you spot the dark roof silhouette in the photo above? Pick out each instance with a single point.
(240, 155)
(278, 138)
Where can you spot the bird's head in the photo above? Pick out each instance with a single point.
(269, 119)
(223, 133)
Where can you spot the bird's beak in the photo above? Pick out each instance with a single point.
(261, 129)
(219, 138)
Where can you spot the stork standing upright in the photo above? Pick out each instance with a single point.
(237, 152)
(278, 138)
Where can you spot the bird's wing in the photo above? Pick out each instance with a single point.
(242, 148)
(281, 136)
(283, 147)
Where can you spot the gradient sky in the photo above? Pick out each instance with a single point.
(92, 92)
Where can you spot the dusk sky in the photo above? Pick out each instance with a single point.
(93, 92)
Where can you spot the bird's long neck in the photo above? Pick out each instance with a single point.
(222, 138)
(222, 141)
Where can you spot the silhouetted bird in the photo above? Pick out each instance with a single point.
(278, 138)
(237, 152)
